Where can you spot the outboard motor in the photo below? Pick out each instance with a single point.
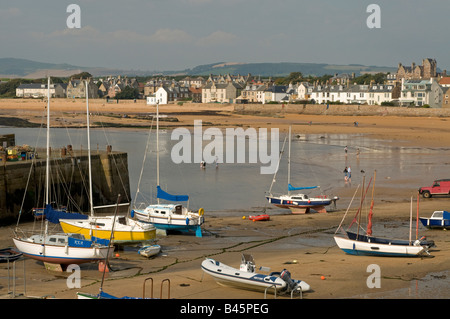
(286, 276)
(423, 241)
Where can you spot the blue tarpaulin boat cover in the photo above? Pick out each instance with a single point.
(174, 198)
(53, 215)
(445, 215)
(292, 188)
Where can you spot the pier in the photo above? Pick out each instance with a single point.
(69, 178)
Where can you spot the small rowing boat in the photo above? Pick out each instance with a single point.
(261, 217)
(149, 251)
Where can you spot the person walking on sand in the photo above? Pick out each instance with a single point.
(345, 173)
(349, 174)
(346, 150)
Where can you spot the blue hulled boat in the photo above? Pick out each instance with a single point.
(440, 219)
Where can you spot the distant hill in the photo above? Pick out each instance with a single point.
(284, 69)
(21, 68)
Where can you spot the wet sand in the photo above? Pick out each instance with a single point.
(303, 244)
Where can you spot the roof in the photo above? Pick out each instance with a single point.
(445, 80)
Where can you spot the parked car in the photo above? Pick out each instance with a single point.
(439, 187)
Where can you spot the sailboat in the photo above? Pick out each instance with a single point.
(61, 249)
(169, 216)
(299, 203)
(367, 245)
(126, 229)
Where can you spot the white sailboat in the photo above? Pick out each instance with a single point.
(169, 216)
(367, 245)
(125, 229)
(299, 203)
(58, 248)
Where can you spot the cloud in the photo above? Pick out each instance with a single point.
(218, 38)
(170, 36)
(10, 13)
(91, 34)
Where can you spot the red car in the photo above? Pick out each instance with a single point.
(440, 187)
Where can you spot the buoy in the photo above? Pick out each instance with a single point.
(102, 267)
(243, 217)
(322, 277)
(117, 255)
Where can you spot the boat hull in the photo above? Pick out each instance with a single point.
(361, 248)
(101, 228)
(300, 206)
(431, 223)
(233, 277)
(149, 251)
(172, 222)
(64, 255)
(262, 217)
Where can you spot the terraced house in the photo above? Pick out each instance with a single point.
(221, 92)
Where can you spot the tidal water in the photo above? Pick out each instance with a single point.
(238, 188)
(234, 188)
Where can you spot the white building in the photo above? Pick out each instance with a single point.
(421, 92)
(161, 96)
(36, 90)
(379, 93)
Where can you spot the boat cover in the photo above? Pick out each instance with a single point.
(53, 215)
(292, 188)
(174, 198)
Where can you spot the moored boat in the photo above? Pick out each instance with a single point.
(368, 245)
(125, 229)
(246, 276)
(149, 251)
(61, 249)
(261, 217)
(168, 216)
(440, 219)
(299, 203)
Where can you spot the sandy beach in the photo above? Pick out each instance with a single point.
(303, 244)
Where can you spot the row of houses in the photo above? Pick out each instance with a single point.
(409, 92)
(76, 88)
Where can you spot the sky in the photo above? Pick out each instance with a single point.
(180, 34)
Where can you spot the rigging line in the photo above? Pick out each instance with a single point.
(116, 165)
(347, 209)
(278, 165)
(33, 164)
(65, 188)
(143, 163)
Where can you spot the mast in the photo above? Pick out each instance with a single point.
(91, 200)
(369, 224)
(289, 160)
(360, 206)
(47, 167)
(157, 146)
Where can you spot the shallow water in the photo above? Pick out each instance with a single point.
(238, 187)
